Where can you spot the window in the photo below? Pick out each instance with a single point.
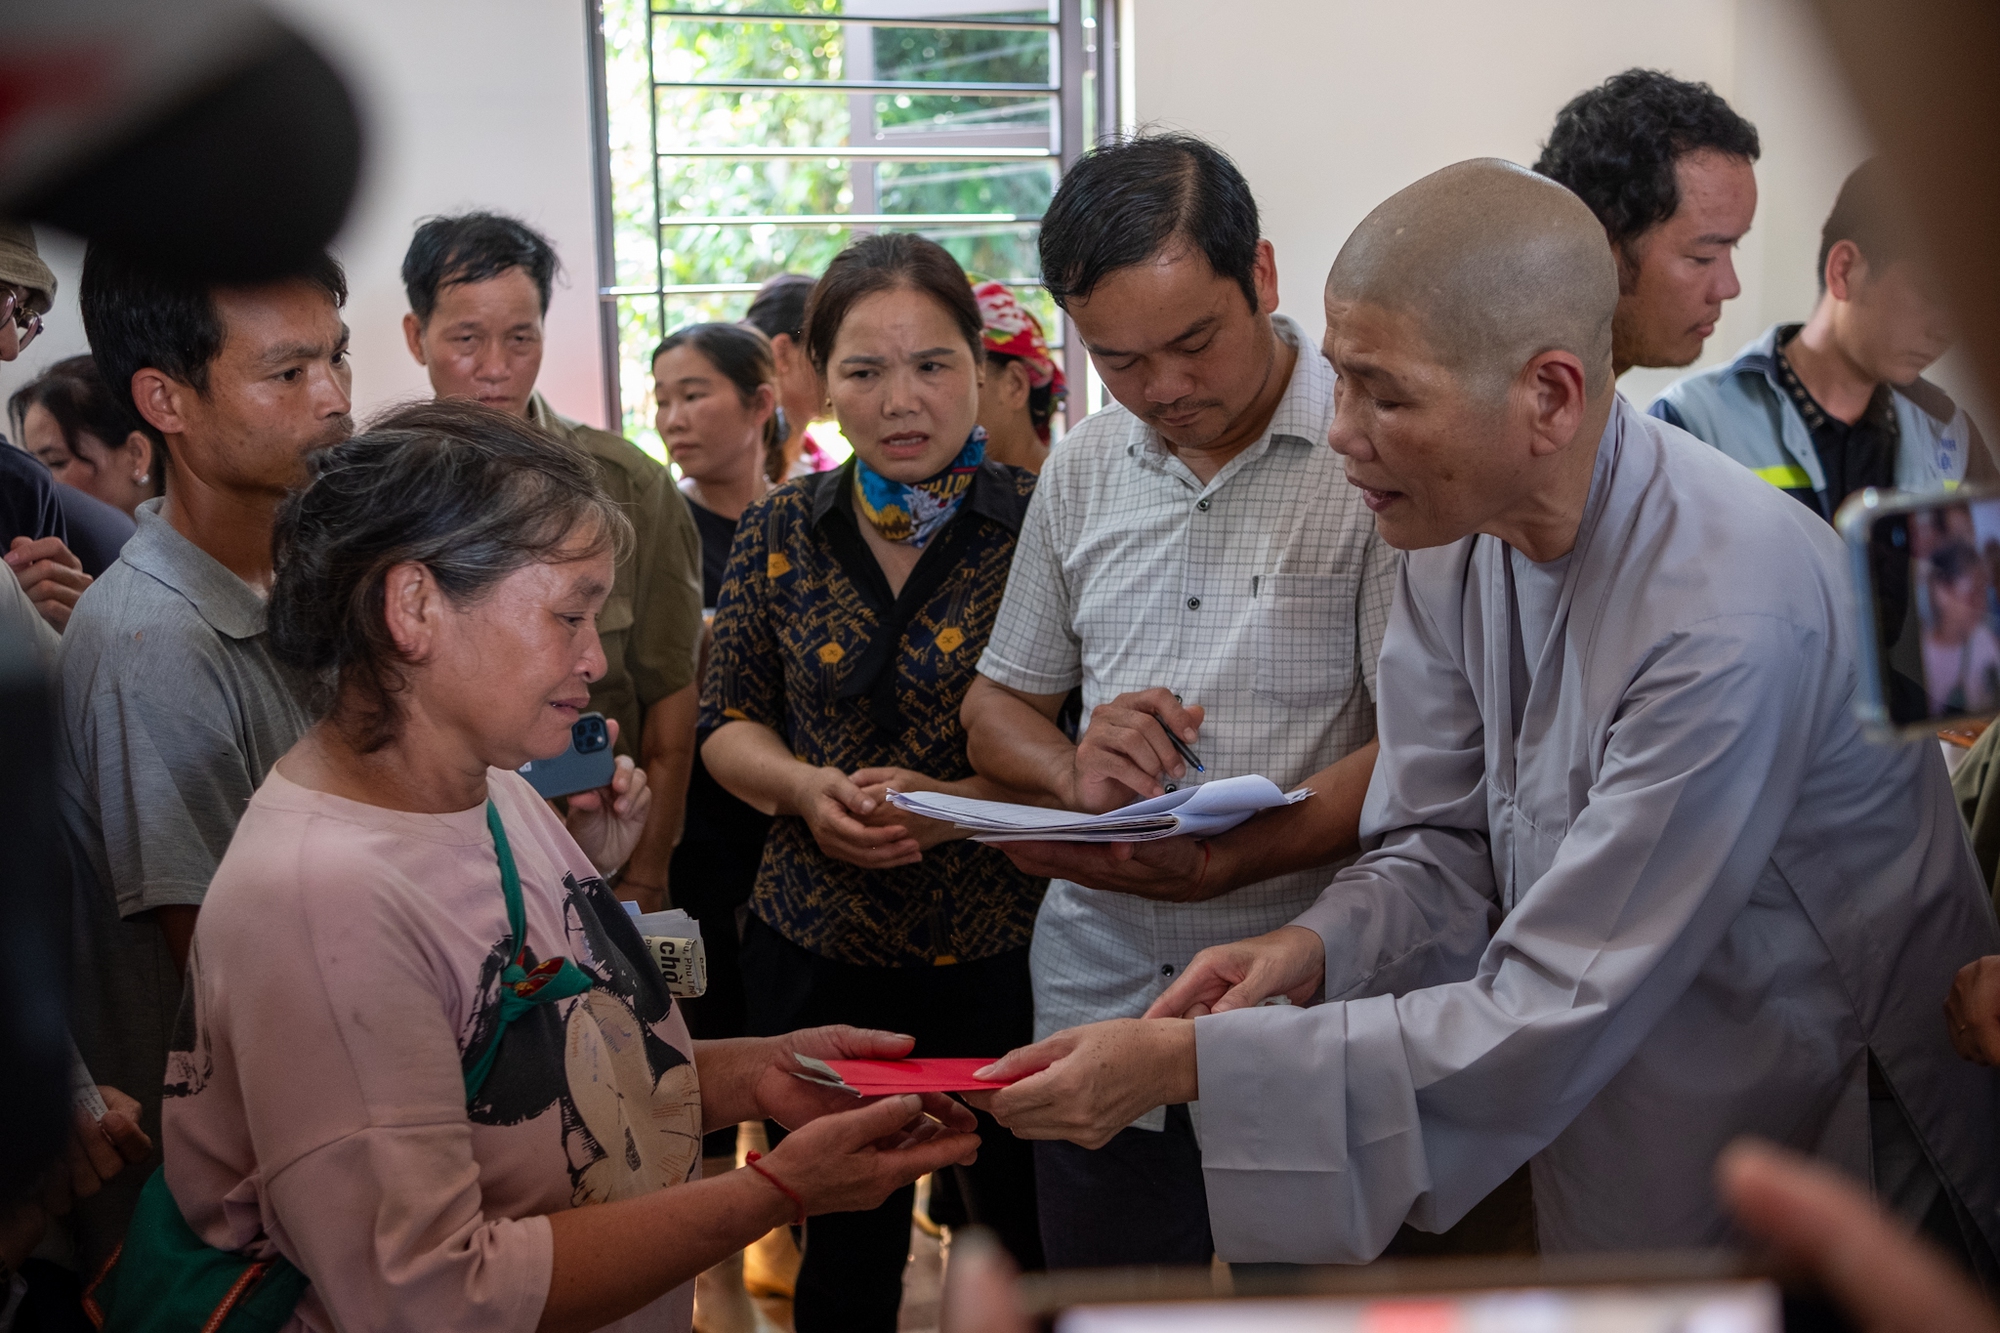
(743, 141)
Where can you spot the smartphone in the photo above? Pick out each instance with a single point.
(586, 765)
(1927, 569)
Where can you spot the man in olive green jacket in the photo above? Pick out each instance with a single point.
(478, 286)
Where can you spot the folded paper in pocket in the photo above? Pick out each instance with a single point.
(887, 1078)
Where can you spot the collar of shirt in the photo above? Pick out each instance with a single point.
(541, 414)
(229, 605)
(993, 495)
(1303, 414)
(1880, 412)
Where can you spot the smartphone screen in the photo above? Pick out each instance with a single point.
(1667, 1307)
(1934, 603)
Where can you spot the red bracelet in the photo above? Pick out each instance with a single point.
(751, 1159)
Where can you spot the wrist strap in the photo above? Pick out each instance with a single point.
(753, 1160)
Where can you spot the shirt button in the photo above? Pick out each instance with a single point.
(1194, 603)
(1202, 505)
(1166, 969)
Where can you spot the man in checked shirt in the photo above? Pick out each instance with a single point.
(1195, 559)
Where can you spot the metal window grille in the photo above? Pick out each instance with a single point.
(736, 142)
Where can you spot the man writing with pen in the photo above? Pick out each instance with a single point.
(1195, 560)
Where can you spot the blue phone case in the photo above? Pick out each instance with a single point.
(587, 764)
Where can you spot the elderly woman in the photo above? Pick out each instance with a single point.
(428, 1072)
(852, 615)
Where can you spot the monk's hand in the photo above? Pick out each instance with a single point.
(1290, 961)
(1168, 870)
(1085, 1084)
(1125, 750)
(1973, 1011)
(1885, 1278)
(793, 1101)
(608, 821)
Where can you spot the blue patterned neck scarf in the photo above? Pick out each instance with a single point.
(913, 512)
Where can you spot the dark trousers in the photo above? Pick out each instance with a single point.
(1139, 1201)
(851, 1275)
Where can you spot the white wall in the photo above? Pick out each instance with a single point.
(467, 106)
(1332, 105)
(1329, 105)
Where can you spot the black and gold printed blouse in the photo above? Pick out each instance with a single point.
(810, 643)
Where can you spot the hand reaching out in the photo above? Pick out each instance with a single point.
(51, 575)
(1290, 961)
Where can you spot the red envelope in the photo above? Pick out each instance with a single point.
(883, 1078)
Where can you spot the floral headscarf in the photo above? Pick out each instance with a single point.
(1011, 331)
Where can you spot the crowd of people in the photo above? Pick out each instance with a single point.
(1598, 872)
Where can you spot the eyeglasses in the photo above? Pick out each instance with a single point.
(14, 302)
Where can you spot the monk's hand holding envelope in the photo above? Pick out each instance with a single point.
(1085, 1084)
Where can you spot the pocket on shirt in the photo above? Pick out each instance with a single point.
(1302, 630)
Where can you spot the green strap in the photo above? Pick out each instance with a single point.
(520, 989)
(166, 1279)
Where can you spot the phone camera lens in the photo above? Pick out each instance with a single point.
(590, 736)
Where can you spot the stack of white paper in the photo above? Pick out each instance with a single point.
(1201, 811)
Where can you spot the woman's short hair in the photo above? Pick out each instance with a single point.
(75, 393)
(470, 493)
(743, 355)
(883, 262)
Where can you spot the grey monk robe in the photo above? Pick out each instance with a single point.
(1680, 899)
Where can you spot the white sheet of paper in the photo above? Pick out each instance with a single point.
(1203, 810)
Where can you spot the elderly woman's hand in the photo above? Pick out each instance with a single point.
(607, 822)
(792, 1101)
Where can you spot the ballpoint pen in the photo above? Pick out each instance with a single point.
(1180, 746)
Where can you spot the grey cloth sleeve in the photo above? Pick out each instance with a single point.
(1325, 1128)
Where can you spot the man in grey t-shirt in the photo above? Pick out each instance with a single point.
(172, 707)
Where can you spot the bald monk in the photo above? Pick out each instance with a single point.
(1636, 882)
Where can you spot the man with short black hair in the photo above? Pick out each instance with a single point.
(1195, 560)
(1825, 408)
(478, 286)
(172, 707)
(1666, 166)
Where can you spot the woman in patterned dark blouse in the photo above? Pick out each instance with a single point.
(850, 622)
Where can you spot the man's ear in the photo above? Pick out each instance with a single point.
(161, 400)
(412, 609)
(1554, 384)
(413, 336)
(1264, 276)
(1846, 270)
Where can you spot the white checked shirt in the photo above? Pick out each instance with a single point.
(1261, 596)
